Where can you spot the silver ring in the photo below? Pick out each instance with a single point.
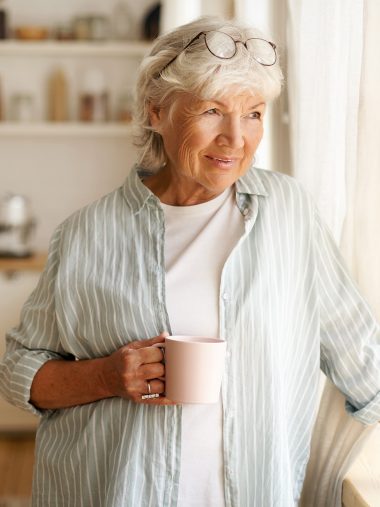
(150, 394)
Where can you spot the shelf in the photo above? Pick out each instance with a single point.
(75, 129)
(70, 48)
(13, 265)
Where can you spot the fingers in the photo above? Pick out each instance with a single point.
(158, 401)
(130, 367)
(150, 355)
(139, 344)
(151, 371)
(156, 387)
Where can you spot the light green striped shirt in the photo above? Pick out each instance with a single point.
(287, 308)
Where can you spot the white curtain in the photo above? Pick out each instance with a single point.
(361, 235)
(329, 109)
(324, 60)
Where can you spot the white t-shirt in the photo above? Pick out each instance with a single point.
(198, 241)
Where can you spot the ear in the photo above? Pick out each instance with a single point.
(155, 116)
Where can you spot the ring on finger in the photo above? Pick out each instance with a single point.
(150, 394)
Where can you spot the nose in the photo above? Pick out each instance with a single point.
(231, 133)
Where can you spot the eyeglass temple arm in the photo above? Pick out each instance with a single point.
(182, 50)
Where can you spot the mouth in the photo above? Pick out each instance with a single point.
(222, 161)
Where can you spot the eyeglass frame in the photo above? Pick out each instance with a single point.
(224, 57)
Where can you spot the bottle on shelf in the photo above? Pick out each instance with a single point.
(58, 97)
(93, 102)
(1, 102)
(121, 21)
(3, 21)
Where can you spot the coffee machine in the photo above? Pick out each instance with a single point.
(17, 226)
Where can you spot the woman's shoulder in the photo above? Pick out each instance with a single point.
(97, 212)
(275, 184)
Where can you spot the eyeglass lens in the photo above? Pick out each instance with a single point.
(262, 51)
(220, 44)
(223, 45)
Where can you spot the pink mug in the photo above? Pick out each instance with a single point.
(193, 368)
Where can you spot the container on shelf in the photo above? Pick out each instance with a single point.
(58, 107)
(22, 108)
(1, 102)
(31, 33)
(125, 107)
(64, 32)
(121, 21)
(93, 101)
(99, 28)
(3, 21)
(93, 27)
(81, 28)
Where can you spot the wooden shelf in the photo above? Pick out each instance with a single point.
(13, 265)
(74, 48)
(74, 129)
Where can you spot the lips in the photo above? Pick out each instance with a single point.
(221, 159)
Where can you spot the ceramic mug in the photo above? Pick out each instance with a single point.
(193, 368)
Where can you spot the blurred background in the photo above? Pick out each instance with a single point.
(67, 72)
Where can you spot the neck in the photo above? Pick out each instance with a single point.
(176, 190)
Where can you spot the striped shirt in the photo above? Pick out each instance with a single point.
(287, 307)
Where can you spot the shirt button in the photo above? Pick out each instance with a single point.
(245, 211)
(225, 296)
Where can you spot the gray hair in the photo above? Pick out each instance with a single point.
(197, 72)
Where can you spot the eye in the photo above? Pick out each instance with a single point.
(255, 115)
(211, 111)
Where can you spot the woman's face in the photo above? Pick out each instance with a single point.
(210, 144)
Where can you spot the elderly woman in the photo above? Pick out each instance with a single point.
(197, 241)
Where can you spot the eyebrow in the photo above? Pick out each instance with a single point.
(223, 104)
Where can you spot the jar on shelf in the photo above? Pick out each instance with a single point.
(64, 32)
(125, 104)
(94, 27)
(121, 21)
(81, 28)
(93, 101)
(22, 108)
(99, 27)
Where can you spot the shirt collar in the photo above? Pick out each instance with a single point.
(251, 183)
(137, 194)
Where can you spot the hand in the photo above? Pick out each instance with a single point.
(127, 371)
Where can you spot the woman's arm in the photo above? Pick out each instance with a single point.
(62, 384)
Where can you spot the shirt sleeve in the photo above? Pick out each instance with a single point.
(350, 335)
(36, 340)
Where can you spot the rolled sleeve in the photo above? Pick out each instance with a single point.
(350, 335)
(369, 414)
(19, 369)
(36, 340)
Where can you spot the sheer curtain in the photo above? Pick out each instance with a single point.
(329, 129)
